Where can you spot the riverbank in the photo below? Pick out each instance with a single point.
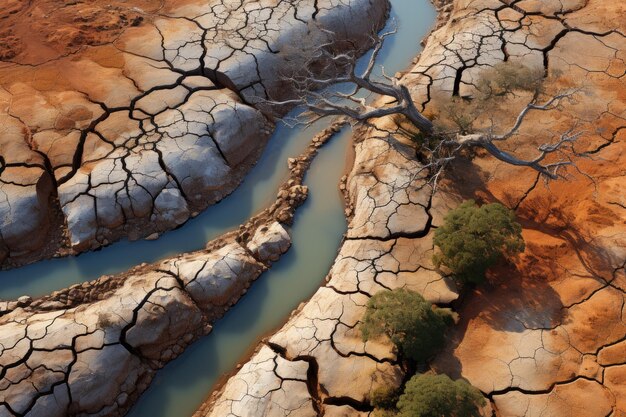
(119, 145)
(316, 363)
(123, 328)
(512, 341)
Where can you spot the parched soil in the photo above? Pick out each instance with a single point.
(547, 336)
(40, 30)
(125, 119)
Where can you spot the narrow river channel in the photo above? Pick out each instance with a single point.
(181, 386)
(179, 389)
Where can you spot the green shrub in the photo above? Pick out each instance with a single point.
(411, 323)
(473, 238)
(437, 396)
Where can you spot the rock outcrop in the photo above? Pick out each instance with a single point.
(119, 121)
(95, 358)
(92, 349)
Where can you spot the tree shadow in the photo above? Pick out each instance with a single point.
(466, 179)
(523, 295)
(510, 301)
(539, 214)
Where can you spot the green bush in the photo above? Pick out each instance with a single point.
(411, 323)
(437, 396)
(473, 238)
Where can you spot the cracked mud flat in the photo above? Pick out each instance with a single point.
(550, 341)
(93, 349)
(548, 338)
(126, 122)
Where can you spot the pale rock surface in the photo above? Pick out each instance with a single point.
(382, 250)
(281, 389)
(269, 242)
(213, 279)
(96, 356)
(152, 121)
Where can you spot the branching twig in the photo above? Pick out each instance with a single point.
(438, 148)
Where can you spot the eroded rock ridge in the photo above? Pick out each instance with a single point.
(150, 119)
(92, 349)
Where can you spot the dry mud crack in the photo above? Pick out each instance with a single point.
(92, 349)
(538, 342)
(150, 119)
(382, 192)
(550, 341)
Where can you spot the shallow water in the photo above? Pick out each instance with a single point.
(256, 192)
(180, 387)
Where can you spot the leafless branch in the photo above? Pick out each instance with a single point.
(437, 149)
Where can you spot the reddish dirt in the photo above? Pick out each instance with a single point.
(37, 31)
(570, 278)
(569, 285)
(40, 30)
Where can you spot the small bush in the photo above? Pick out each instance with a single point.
(454, 113)
(437, 396)
(473, 238)
(507, 77)
(411, 323)
(465, 114)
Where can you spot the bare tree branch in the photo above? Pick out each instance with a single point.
(438, 148)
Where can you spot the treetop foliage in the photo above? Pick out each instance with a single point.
(411, 323)
(473, 238)
(427, 395)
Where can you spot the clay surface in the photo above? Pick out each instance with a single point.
(121, 120)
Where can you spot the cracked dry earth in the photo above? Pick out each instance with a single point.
(95, 358)
(549, 337)
(92, 349)
(120, 121)
(316, 364)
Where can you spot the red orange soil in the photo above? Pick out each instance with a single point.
(549, 332)
(40, 30)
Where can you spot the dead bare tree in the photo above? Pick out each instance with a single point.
(440, 147)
